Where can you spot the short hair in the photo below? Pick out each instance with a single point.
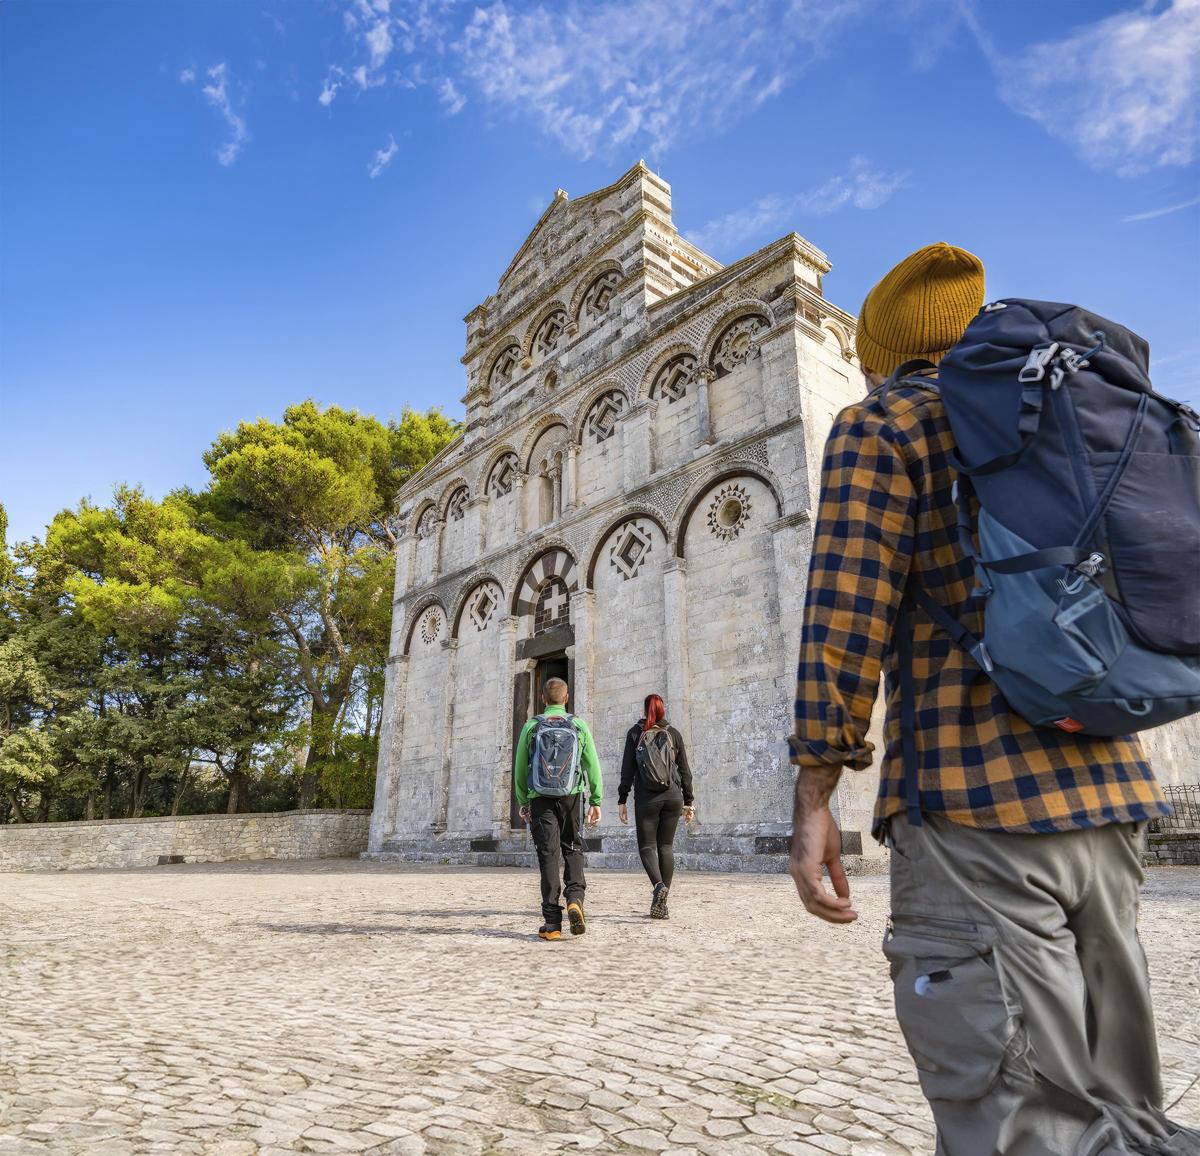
(555, 690)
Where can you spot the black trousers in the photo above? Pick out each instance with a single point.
(557, 829)
(656, 818)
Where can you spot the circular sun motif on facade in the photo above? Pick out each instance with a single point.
(431, 627)
(728, 512)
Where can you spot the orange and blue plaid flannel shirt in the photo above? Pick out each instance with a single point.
(887, 514)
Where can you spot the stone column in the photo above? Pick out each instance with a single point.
(571, 485)
(439, 529)
(556, 488)
(443, 802)
(384, 819)
(519, 493)
(583, 607)
(637, 444)
(675, 639)
(481, 507)
(704, 379)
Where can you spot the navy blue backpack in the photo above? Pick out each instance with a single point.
(1087, 542)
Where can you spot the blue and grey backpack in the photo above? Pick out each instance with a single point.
(1087, 542)
(554, 750)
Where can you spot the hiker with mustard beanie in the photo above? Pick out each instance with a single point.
(920, 309)
(1014, 870)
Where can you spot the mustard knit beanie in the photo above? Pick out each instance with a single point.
(920, 308)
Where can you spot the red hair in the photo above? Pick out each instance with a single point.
(656, 711)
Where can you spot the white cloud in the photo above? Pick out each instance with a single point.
(333, 81)
(454, 100)
(862, 186)
(382, 158)
(1122, 91)
(600, 74)
(216, 92)
(1162, 212)
(187, 76)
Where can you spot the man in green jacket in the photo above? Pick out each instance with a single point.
(554, 821)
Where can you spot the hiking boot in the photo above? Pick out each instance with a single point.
(575, 915)
(658, 904)
(546, 931)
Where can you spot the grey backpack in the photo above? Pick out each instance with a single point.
(554, 751)
(656, 758)
(1087, 541)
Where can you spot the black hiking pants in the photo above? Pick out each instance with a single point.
(557, 828)
(657, 818)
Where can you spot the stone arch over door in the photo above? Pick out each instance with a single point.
(552, 571)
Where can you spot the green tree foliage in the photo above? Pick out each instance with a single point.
(218, 649)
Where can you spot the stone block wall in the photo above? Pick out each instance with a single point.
(188, 839)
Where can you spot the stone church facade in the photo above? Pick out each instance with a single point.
(629, 507)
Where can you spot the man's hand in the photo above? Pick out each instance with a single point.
(593, 816)
(689, 813)
(817, 843)
(623, 812)
(525, 812)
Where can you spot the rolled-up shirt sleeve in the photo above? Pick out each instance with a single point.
(862, 549)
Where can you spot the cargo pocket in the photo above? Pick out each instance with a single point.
(951, 1005)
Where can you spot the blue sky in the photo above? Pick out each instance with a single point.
(213, 209)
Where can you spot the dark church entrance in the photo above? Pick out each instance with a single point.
(550, 661)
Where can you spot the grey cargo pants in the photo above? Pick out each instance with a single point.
(1022, 991)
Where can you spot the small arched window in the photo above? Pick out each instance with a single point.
(503, 476)
(456, 507)
(549, 333)
(672, 381)
(599, 296)
(736, 343)
(504, 367)
(602, 417)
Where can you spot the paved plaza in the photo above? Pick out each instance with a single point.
(340, 1006)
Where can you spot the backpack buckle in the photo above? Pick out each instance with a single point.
(1037, 362)
(1086, 570)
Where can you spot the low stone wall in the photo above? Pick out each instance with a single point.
(187, 839)
(1172, 849)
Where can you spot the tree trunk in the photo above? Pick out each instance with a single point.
(137, 794)
(180, 790)
(320, 751)
(90, 805)
(108, 793)
(239, 785)
(15, 803)
(44, 806)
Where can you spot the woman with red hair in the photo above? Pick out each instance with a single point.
(656, 767)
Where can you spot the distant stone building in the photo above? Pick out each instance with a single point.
(629, 507)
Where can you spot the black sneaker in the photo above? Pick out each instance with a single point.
(546, 931)
(658, 904)
(575, 915)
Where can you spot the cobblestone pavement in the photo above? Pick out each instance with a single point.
(350, 1007)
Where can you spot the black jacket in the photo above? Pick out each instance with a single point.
(629, 767)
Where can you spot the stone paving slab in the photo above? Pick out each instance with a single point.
(341, 1007)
